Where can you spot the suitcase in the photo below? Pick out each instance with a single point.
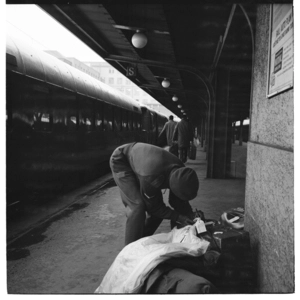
(234, 271)
(224, 238)
(192, 151)
(227, 238)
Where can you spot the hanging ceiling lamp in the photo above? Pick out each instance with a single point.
(179, 106)
(182, 110)
(139, 39)
(165, 83)
(175, 98)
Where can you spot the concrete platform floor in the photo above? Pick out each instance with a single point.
(66, 247)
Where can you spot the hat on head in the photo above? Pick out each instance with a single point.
(184, 183)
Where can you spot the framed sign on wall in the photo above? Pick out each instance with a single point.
(281, 49)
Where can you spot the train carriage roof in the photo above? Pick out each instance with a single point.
(29, 61)
(154, 112)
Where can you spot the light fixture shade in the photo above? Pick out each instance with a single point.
(175, 98)
(139, 40)
(182, 110)
(165, 83)
(179, 106)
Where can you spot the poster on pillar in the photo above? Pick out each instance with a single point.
(281, 57)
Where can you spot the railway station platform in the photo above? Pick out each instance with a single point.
(67, 247)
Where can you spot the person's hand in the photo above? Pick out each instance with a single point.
(184, 220)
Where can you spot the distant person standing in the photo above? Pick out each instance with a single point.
(184, 135)
(168, 131)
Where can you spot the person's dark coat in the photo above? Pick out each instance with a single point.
(183, 134)
(141, 171)
(168, 131)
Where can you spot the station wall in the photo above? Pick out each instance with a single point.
(269, 203)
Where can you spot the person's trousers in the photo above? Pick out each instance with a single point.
(183, 154)
(138, 225)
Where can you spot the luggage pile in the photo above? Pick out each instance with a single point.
(228, 263)
(207, 257)
(234, 270)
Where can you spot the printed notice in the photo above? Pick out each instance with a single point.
(281, 62)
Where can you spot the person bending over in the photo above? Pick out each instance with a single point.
(141, 171)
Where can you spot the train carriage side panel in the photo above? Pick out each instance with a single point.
(62, 125)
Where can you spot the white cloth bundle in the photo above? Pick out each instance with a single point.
(135, 262)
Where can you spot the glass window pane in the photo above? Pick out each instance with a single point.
(129, 120)
(99, 116)
(108, 117)
(86, 114)
(117, 119)
(125, 119)
(36, 110)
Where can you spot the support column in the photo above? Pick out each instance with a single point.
(222, 127)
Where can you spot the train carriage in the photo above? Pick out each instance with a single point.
(62, 124)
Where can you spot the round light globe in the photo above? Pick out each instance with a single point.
(139, 40)
(175, 98)
(165, 83)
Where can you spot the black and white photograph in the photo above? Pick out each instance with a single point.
(149, 148)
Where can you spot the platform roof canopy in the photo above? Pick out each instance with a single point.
(186, 44)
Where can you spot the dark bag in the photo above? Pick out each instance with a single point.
(192, 151)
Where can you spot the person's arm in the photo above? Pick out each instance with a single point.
(162, 137)
(163, 130)
(155, 206)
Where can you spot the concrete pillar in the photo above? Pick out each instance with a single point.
(269, 202)
(221, 125)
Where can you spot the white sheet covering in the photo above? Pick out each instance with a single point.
(134, 263)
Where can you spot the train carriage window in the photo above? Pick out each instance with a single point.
(104, 118)
(125, 119)
(72, 115)
(86, 114)
(65, 113)
(117, 119)
(139, 122)
(108, 117)
(130, 120)
(99, 116)
(36, 108)
(152, 117)
(72, 122)
(134, 121)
